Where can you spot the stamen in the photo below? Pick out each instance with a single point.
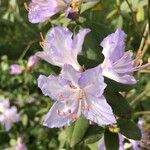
(123, 57)
(61, 97)
(74, 116)
(26, 6)
(72, 86)
(61, 113)
(43, 42)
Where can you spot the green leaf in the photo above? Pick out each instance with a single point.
(140, 14)
(69, 132)
(118, 103)
(88, 5)
(93, 146)
(25, 120)
(79, 130)
(111, 140)
(129, 129)
(4, 137)
(93, 134)
(118, 87)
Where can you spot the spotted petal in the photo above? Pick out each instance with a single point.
(61, 114)
(57, 88)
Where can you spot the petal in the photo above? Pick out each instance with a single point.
(114, 45)
(45, 56)
(16, 69)
(57, 88)
(78, 41)
(58, 45)
(92, 81)
(71, 74)
(99, 111)
(61, 114)
(121, 78)
(41, 10)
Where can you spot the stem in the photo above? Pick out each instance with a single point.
(143, 39)
(26, 49)
(142, 113)
(148, 14)
(132, 13)
(145, 71)
(146, 36)
(139, 97)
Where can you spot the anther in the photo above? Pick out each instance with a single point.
(26, 6)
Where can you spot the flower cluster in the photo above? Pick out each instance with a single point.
(77, 91)
(20, 145)
(8, 115)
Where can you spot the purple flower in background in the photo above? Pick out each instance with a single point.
(4, 104)
(118, 64)
(60, 47)
(33, 62)
(8, 115)
(41, 10)
(76, 93)
(16, 69)
(20, 145)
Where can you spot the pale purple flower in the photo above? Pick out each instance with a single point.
(33, 62)
(60, 47)
(16, 69)
(41, 10)
(20, 145)
(76, 93)
(4, 104)
(118, 64)
(8, 115)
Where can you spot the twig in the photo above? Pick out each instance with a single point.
(139, 97)
(132, 13)
(142, 113)
(143, 39)
(148, 14)
(145, 71)
(26, 49)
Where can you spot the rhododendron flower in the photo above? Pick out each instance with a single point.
(118, 64)
(42, 10)
(8, 115)
(16, 69)
(33, 62)
(76, 93)
(60, 47)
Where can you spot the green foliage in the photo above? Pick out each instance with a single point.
(119, 104)
(129, 129)
(76, 132)
(19, 39)
(111, 140)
